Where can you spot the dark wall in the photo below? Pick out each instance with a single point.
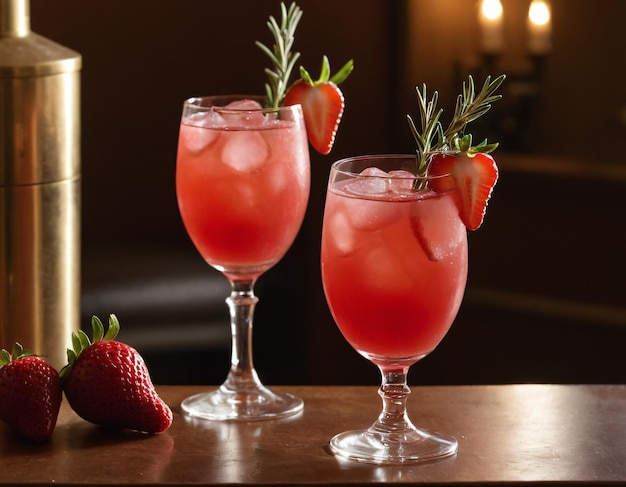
(142, 58)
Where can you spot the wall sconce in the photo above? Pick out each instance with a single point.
(523, 79)
(490, 19)
(539, 28)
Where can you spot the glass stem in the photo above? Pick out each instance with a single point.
(241, 303)
(394, 392)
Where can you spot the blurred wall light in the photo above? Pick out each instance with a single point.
(539, 27)
(524, 76)
(490, 18)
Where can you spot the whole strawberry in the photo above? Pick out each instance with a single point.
(106, 382)
(30, 393)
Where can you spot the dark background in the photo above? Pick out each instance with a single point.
(546, 296)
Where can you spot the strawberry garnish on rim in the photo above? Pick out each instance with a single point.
(322, 103)
(449, 154)
(473, 175)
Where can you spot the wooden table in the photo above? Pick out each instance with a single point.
(507, 435)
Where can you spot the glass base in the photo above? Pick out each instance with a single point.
(413, 446)
(249, 405)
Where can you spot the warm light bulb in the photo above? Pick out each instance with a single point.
(492, 9)
(539, 13)
(539, 27)
(490, 19)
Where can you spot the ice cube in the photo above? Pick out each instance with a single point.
(373, 183)
(244, 105)
(401, 173)
(244, 150)
(214, 119)
(277, 177)
(437, 226)
(209, 118)
(373, 171)
(401, 182)
(340, 233)
(243, 113)
(376, 182)
(371, 214)
(196, 138)
(373, 208)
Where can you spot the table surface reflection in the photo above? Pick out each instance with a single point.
(507, 434)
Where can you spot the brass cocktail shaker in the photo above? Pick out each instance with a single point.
(39, 187)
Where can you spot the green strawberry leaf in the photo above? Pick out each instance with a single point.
(114, 328)
(341, 75)
(80, 340)
(5, 357)
(97, 329)
(325, 71)
(18, 352)
(483, 148)
(306, 77)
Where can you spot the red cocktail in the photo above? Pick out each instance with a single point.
(394, 267)
(242, 181)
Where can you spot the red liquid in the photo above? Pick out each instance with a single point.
(394, 271)
(242, 193)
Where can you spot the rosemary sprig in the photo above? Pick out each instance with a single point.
(431, 127)
(283, 59)
(469, 106)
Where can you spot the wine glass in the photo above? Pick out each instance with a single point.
(394, 268)
(242, 183)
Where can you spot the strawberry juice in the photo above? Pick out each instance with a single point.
(394, 265)
(242, 183)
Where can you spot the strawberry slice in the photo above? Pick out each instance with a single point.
(473, 175)
(322, 104)
(440, 168)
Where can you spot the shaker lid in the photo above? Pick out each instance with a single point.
(38, 134)
(34, 55)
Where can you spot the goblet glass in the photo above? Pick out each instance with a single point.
(394, 268)
(242, 183)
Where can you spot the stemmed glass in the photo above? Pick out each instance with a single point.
(242, 183)
(394, 268)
